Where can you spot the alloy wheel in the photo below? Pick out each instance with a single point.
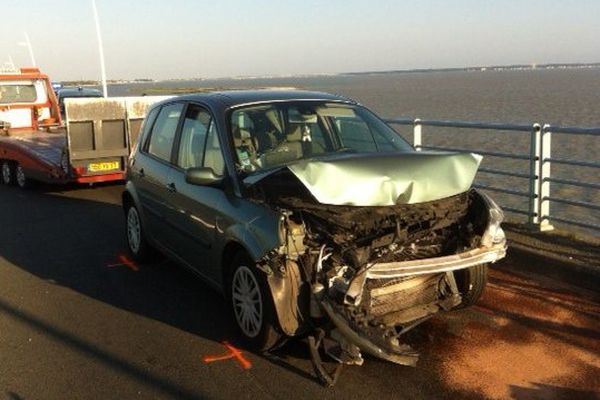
(247, 301)
(134, 230)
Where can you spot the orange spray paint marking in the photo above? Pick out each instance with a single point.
(233, 353)
(126, 262)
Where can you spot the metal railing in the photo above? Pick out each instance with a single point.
(538, 174)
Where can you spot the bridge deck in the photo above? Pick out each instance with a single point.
(77, 320)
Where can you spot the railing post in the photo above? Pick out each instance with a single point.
(543, 177)
(417, 137)
(535, 156)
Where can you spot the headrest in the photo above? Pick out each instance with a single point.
(241, 137)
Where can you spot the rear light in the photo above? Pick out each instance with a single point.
(80, 170)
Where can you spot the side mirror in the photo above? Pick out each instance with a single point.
(202, 176)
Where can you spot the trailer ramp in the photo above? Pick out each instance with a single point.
(101, 133)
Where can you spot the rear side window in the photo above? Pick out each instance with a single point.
(193, 137)
(163, 132)
(147, 124)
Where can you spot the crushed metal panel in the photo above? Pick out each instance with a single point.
(387, 179)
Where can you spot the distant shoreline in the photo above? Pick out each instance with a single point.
(515, 67)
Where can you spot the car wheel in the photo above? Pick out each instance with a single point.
(8, 173)
(22, 180)
(471, 284)
(252, 305)
(136, 243)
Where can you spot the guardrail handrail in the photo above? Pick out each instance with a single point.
(540, 162)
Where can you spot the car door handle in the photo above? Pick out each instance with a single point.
(171, 188)
(141, 173)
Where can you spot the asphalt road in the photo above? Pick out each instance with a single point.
(78, 321)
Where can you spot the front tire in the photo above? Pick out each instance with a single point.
(252, 305)
(137, 245)
(471, 284)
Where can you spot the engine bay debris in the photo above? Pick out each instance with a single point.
(371, 268)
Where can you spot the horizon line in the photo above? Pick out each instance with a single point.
(481, 68)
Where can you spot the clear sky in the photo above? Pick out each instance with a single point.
(219, 38)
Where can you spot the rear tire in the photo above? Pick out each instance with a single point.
(471, 284)
(137, 245)
(252, 305)
(7, 172)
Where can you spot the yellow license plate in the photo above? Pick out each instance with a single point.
(104, 166)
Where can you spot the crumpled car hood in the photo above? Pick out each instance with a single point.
(386, 179)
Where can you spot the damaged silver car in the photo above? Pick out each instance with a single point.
(313, 217)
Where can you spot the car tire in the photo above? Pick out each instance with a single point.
(7, 172)
(471, 283)
(21, 178)
(252, 305)
(137, 245)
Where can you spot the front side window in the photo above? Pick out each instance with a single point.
(163, 132)
(17, 93)
(213, 155)
(270, 135)
(193, 137)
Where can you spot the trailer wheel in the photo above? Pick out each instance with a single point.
(8, 172)
(22, 180)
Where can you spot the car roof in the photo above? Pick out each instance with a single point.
(82, 92)
(234, 98)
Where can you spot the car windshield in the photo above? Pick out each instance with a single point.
(270, 135)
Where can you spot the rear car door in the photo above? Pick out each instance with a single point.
(152, 166)
(195, 210)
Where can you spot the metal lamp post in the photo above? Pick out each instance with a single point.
(100, 49)
(27, 43)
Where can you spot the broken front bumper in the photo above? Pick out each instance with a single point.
(481, 255)
(392, 350)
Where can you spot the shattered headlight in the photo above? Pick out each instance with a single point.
(494, 234)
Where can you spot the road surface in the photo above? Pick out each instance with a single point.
(79, 321)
